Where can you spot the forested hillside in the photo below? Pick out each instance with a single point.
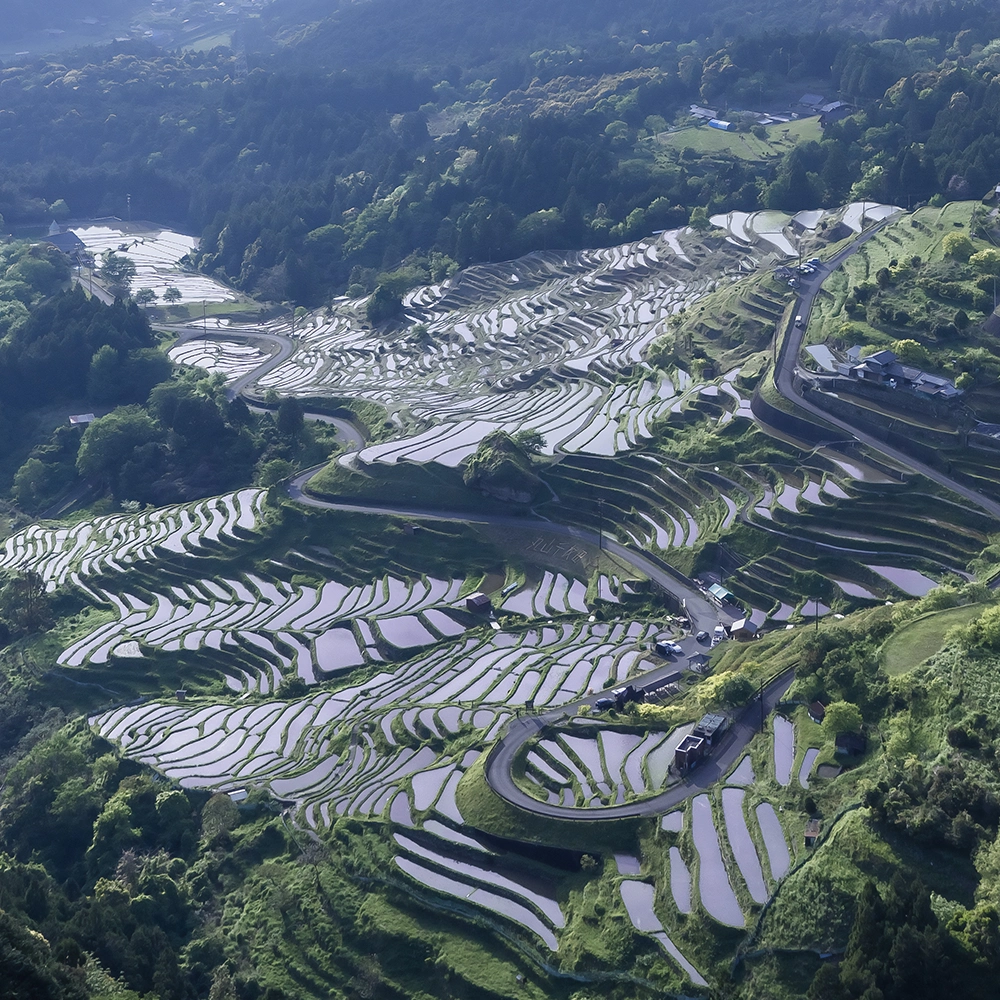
(305, 181)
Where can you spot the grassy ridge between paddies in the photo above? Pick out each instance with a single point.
(919, 640)
(703, 139)
(404, 484)
(484, 810)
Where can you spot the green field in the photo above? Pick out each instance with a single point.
(743, 145)
(921, 639)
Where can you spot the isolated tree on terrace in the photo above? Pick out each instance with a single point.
(172, 295)
(117, 273)
(145, 296)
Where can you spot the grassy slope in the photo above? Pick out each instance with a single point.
(920, 639)
(743, 145)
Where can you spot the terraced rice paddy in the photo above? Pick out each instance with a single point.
(538, 343)
(308, 631)
(462, 684)
(157, 254)
(111, 545)
(603, 768)
(226, 357)
(775, 231)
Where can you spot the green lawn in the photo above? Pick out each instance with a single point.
(743, 145)
(922, 638)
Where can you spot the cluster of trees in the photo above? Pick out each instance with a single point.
(187, 440)
(898, 950)
(102, 861)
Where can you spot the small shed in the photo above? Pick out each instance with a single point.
(723, 126)
(81, 419)
(813, 827)
(749, 626)
(851, 744)
(698, 661)
(817, 712)
(181, 694)
(478, 602)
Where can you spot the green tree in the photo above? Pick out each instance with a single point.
(172, 295)
(117, 272)
(986, 261)
(218, 815)
(106, 378)
(735, 690)
(109, 441)
(145, 296)
(841, 717)
(273, 471)
(383, 304)
(530, 441)
(291, 417)
(24, 602)
(33, 485)
(958, 246)
(910, 352)
(699, 220)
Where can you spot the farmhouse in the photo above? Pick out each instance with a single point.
(817, 712)
(883, 368)
(813, 826)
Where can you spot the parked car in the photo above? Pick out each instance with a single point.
(603, 704)
(702, 636)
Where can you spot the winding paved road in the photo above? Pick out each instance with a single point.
(788, 363)
(702, 613)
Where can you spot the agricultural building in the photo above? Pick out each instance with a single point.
(699, 112)
(81, 419)
(721, 596)
(689, 752)
(813, 826)
(723, 126)
(478, 602)
(711, 727)
(811, 100)
(817, 712)
(69, 243)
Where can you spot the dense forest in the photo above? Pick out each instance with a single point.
(306, 183)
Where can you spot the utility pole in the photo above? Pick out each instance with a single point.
(762, 705)
(816, 612)
(600, 525)
(204, 317)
